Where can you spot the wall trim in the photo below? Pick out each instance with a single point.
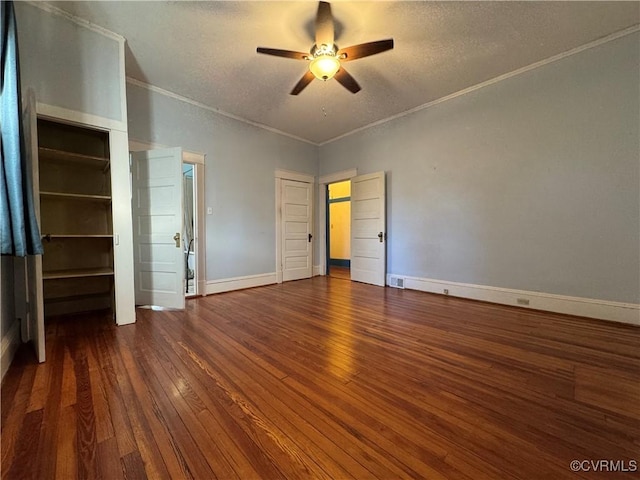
(180, 98)
(317, 270)
(239, 283)
(86, 119)
(187, 155)
(47, 7)
(10, 343)
(338, 176)
(499, 78)
(584, 307)
(295, 176)
(202, 288)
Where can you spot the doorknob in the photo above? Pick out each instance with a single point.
(176, 238)
(381, 236)
(310, 237)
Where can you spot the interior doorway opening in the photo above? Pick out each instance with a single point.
(189, 228)
(190, 170)
(339, 229)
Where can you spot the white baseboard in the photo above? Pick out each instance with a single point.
(10, 343)
(317, 270)
(238, 283)
(584, 307)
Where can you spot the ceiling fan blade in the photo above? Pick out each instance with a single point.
(347, 81)
(324, 25)
(304, 81)
(365, 49)
(283, 53)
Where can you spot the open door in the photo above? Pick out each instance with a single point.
(297, 243)
(368, 227)
(28, 270)
(157, 207)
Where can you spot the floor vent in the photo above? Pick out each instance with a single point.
(396, 282)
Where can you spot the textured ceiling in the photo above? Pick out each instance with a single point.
(206, 51)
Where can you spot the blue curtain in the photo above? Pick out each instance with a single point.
(18, 224)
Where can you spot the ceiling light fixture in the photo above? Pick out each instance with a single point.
(325, 59)
(324, 62)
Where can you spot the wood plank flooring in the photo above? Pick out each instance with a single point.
(340, 272)
(327, 379)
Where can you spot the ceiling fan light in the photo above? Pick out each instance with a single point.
(324, 67)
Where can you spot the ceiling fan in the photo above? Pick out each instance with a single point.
(325, 58)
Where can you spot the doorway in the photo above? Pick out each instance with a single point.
(188, 234)
(189, 170)
(339, 229)
(368, 225)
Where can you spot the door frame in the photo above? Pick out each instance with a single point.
(297, 177)
(33, 323)
(199, 227)
(322, 203)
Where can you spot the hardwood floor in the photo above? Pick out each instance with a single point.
(325, 378)
(340, 272)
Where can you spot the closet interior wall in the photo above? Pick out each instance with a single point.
(75, 219)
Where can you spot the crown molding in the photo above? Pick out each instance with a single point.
(492, 81)
(49, 8)
(180, 98)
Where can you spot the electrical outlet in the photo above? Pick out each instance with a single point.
(523, 301)
(446, 291)
(209, 211)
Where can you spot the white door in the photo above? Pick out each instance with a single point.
(368, 226)
(29, 270)
(297, 242)
(159, 257)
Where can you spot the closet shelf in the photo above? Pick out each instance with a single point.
(77, 273)
(51, 236)
(59, 156)
(77, 298)
(76, 196)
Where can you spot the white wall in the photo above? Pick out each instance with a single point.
(241, 160)
(531, 183)
(68, 65)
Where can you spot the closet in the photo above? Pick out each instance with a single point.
(74, 187)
